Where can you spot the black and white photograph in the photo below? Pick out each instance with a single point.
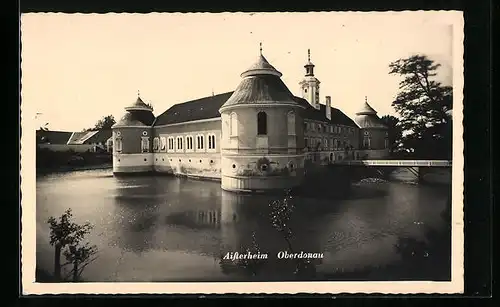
(316, 152)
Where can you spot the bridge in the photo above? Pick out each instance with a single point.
(410, 163)
(437, 171)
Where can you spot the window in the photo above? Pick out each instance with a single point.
(145, 144)
(233, 124)
(366, 142)
(199, 142)
(189, 143)
(291, 123)
(156, 144)
(331, 143)
(179, 143)
(163, 143)
(262, 123)
(335, 144)
(211, 141)
(386, 143)
(170, 143)
(118, 144)
(325, 142)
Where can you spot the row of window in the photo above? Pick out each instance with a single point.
(313, 143)
(172, 144)
(261, 123)
(328, 128)
(177, 143)
(367, 143)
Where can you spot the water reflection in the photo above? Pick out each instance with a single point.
(164, 228)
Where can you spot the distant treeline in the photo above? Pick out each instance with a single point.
(48, 159)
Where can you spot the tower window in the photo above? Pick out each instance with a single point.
(262, 123)
(145, 144)
(291, 123)
(118, 144)
(305, 90)
(233, 124)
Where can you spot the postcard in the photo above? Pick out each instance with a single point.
(175, 153)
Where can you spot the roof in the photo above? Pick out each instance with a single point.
(261, 66)
(80, 137)
(100, 137)
(260, 89)
(136, 118)
(337, 116)
(139, 105)
(202, 108)
(366, 109)
(208, 107)
(87, 137)
(369, 121)
(52, 137)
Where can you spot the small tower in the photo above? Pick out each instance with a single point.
(131, 139)
(309, 86)
(374, 134)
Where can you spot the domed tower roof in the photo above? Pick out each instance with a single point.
(261, 84)
(138, 105)
(367, 117)
(138, 114)
(366, 109)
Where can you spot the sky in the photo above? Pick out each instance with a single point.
(77, 68)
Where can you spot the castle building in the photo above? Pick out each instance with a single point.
(258, 137)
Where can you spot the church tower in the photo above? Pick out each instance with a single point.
(309, 86)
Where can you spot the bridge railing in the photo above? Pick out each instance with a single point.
(441, 163)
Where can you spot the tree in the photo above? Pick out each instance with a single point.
(105, 123)
(79, 255)
(394, 132)
(64, 233)
(423, 104)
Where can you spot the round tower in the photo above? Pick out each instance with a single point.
(374, 134)
(262, 133)
(132, 140)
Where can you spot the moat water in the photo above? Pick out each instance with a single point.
(162, 228)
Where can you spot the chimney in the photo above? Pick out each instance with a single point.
(328, 107)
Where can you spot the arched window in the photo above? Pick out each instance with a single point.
(233, 124)
(262, 123)
(291, 123)
(163, 143)
(145, 144)
(118, 145)
(156, 144)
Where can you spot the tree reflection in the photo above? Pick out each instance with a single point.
(430, 257)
